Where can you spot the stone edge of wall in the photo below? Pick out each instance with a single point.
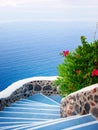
(82, 102)
(45, 87)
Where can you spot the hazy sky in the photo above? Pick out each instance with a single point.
(48, 10)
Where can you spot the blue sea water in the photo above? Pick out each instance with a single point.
(29, 49)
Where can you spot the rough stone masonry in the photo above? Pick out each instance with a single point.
(38, 86)
(81, 102)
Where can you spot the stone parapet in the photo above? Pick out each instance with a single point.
(45, 87)
(81, 102)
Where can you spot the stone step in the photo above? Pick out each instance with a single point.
(42, 113)
(20, 119)
(29, 115)
(86, 126)
(35, 106)
(23, 126)
(29, 127)
(43, 99)
(66, 123)
(33, 110)
(56, 98)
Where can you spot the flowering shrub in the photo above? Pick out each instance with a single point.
(79, 68)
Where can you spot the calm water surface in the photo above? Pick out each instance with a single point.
(32, 49)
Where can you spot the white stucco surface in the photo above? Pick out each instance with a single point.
(10, 89)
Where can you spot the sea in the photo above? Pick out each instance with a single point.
(32, 49)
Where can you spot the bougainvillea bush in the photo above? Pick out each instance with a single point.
(79, 68)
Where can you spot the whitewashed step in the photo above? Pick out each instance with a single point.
(39, 112)
(43, 99)
(66, 123)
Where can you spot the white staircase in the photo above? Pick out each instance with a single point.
(40, 112)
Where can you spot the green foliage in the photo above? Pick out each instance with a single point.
(79, 68)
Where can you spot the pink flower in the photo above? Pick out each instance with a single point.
(65, 53)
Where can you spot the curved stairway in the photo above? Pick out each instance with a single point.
(39, 112)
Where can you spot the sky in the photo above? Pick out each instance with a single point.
(48, 10)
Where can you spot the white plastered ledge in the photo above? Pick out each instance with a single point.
(10, 89)
(85, 89)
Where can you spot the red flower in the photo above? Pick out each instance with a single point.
(95, 72)
(77, 71)
(65, 53)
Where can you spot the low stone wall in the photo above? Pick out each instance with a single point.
(38, 86)
(81, 102)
